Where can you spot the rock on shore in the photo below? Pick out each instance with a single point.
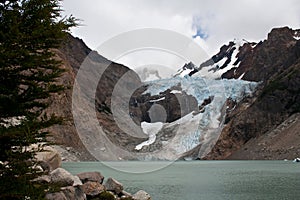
(83, 186)
(87, 186)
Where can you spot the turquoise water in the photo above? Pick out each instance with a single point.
(209, 180)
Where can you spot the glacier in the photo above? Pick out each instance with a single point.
(197, 128)
(202, 88)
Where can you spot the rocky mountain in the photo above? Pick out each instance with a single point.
(257, 124)
(236, 105)
(227, 60)
(273, 107)
(73, 53)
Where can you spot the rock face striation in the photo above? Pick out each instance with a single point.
(73, 53)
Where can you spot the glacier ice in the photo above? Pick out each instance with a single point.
(199, 128)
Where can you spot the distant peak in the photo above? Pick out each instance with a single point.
(189, 65)
(239, 42)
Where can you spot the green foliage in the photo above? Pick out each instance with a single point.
(106, 196)
(30, 29)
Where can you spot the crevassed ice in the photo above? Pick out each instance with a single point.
(202, 88)
(198, 128)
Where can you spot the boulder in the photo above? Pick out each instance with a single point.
(49, 159)
(61, 177)
(74, 193)
(92, 189)
(125, 194)
(76, 180)
(67, 193)
(91, 176)
(113, 185)
(44, 179)
(141, 195)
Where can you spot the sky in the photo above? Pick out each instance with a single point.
(209, 23)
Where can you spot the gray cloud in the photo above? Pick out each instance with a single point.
(220, 20)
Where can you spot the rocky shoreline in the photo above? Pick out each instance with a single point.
(83, 186)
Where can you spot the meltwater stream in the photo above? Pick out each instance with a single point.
(207, 180)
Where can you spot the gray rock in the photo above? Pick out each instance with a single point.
(141, 195)
(91, 176)
(50, 158)
(113, 185)
(126, 194)
(61, 177)
(92, 189)
(74, 193)
(77, 181)
(44, 179)
(67, 193)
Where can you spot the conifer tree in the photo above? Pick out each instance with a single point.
(29, 30)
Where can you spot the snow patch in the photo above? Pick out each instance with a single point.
(150, 129)
(254, 45)
(241, 76)
(214, 70)
(156, 100)
(175, 92)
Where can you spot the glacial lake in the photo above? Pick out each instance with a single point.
(207, 180)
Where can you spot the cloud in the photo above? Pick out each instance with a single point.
(211, 23)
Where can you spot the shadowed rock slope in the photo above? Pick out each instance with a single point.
(274, 62)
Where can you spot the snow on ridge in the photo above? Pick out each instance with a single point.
(185, 70)
(240, 42)
(253, 45)
(296, 35)
(241, 76)
(214, 71)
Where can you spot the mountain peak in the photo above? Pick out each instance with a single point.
(233, 59)
(227, 58)
(187, 69)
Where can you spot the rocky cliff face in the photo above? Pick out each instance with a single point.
(72, 54)
(275, 63)
(164, 107)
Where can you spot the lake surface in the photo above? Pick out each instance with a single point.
(209, 180)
